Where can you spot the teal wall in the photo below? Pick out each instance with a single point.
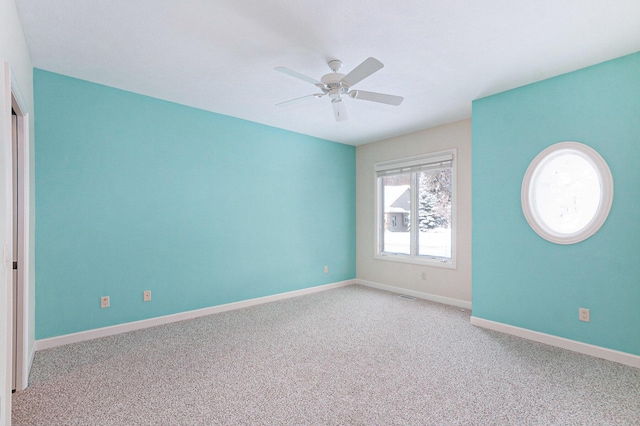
(522, 280)
(135, 193)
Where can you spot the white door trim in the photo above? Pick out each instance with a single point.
(14, 99)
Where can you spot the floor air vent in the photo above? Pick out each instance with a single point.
(404, 296)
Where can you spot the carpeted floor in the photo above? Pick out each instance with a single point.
(349, 356)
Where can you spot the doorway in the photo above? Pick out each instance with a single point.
(16, 226)
(21, 349)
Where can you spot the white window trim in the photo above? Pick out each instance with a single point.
(408, 164)
(606, 197)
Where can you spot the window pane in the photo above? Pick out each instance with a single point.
(434, 213)
(567, 193)
(396, 199)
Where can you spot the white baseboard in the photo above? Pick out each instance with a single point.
(560, 342)
(167, 319)
(420, 295)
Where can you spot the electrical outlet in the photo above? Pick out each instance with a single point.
(104, 302)
(326, 269)
(424, 276)
(584, 315)
(146, 296)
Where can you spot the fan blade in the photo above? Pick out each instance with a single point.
(339, 110)
(362, 71)
(376, 97)
(296, 74)
(316, 95)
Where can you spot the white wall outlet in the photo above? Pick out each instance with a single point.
(424, 276)
(584, 315)
(326, 269)
(146, 295)
(105, 302)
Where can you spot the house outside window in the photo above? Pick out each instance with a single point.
(415, 207)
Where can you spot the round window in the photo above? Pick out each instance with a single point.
(567, 193)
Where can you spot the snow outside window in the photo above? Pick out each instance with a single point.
(567, 193)
(416, 210)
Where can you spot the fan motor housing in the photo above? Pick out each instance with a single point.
(334, 85)
(332, 79)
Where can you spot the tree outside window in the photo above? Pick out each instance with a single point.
(416, 221)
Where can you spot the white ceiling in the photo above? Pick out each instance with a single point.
(219, 55)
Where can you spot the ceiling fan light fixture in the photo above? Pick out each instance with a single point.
(335, 92)
(339, 111)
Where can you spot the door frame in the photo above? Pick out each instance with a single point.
(14, 99)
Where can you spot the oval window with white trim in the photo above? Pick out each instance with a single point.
(567, 193)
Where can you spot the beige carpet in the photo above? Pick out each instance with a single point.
(349, 356)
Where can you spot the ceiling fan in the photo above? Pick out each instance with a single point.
(335, 85)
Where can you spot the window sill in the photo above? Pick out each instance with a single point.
(402, 258)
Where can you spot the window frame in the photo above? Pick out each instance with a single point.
(529, 182)
(410, 164)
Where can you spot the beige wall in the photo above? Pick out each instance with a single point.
(440, 282)
(14, 51)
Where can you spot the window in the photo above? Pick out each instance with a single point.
(567, 193)
(416, 209)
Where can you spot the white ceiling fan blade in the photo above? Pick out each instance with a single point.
(315, 95)
(376, 97)
(362, 71)
(297, 75)
(339, 111)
